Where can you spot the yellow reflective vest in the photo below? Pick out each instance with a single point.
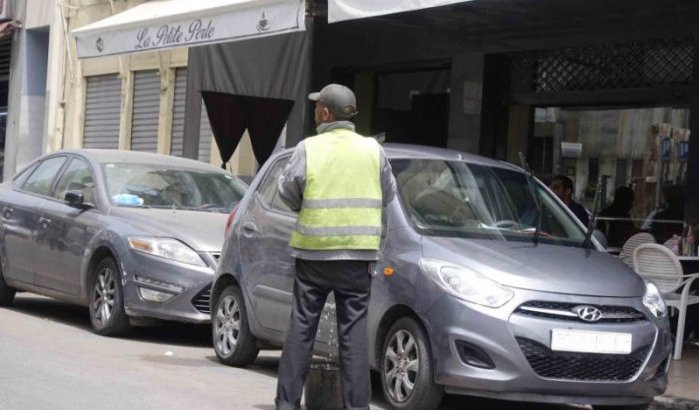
(342, 199)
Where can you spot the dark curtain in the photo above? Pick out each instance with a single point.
(230, 115)
(259, 79)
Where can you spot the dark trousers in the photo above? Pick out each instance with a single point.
(351, 283)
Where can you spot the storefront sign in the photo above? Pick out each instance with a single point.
(340, 10)
(132, 30)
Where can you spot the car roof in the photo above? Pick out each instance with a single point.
(120, 156)
(398, 151)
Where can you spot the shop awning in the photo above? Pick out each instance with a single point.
(161, 24)
(341, 10)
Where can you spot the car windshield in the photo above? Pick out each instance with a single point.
(152, 186)
(455, 198)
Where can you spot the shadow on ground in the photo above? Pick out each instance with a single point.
(160, 332)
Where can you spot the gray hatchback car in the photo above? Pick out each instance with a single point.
(486, 287)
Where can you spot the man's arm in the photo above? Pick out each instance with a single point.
(388, 182)
(292, 180)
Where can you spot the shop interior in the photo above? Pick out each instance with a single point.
(643, 148)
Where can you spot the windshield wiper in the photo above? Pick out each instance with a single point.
(591, 223)
(535, 196)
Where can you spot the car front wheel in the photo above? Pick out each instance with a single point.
(406, 368)
(7, 294)
(233, 342)
(107, 314)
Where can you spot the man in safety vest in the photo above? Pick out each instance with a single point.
(339, 182)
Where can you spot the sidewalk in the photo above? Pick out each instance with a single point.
(683, 389)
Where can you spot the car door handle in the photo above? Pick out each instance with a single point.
(249, 228)
(44, 222)
(7, 212)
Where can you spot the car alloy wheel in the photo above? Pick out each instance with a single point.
(233, 342)
(406, 368)
(401, 366)
(103, 296)
(107, 313)
(227, 325)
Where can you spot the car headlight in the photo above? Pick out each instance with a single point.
(166, 248)
(653, 300)
(466, 284)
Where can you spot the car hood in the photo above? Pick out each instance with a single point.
(546, 268)
(203, 231)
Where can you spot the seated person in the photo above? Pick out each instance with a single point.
(669, 221)
(618, 231)
(562, 186)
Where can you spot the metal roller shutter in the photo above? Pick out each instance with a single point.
(178, 112)
(102, 112)
(205, 136)
(5, 57)
(146, 108)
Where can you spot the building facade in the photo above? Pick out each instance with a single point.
(134, 101)
(585, 88)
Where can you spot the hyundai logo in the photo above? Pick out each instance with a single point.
(588, 313)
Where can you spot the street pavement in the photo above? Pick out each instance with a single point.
(49, 359)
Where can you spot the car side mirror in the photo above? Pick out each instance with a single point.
(76, 199)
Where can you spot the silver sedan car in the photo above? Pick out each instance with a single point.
(132, 235)
(488, 286)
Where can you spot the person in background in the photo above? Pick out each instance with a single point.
(619, 231)
(562, 186)
(668, 222)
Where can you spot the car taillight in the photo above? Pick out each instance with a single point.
(231, 216)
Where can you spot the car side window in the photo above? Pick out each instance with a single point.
(19, 179)
(41, 180)
(268, 188)
(77, 177)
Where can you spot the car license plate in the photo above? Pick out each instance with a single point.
(590, 342)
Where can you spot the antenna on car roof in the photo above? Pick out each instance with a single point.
(598, 193)
(535, 196)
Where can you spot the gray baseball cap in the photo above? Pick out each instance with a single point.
(339, 99)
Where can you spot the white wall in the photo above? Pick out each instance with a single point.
(27, 102)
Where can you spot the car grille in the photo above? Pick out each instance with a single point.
(564, 311)
(582, 366)
(202, 301)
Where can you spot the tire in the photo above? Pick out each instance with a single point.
(7, 294)
(630, 407)
(233, 342)
(107, 314)
(414, 363)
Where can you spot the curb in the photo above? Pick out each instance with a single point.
(675, 403)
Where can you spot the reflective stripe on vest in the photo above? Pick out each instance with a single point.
(342, 200)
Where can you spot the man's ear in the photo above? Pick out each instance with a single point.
(327, 115)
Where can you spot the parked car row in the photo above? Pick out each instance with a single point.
(487, 285)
